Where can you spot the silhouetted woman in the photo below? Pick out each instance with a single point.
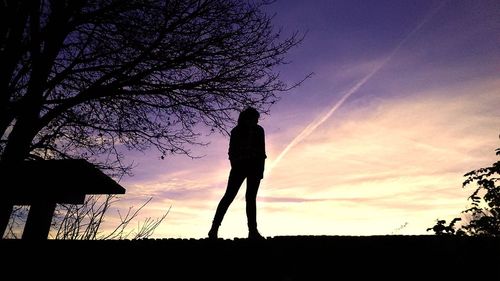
(247, 155)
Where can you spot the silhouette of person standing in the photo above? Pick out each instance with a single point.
(247, 155)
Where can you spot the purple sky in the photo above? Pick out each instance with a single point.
(423, 108)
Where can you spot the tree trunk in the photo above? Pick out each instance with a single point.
(26, 127)
(5, 121)
(5, 212)
(17, 149)
(19, 141)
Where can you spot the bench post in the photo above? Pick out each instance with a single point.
(39, 220)
(5, 212)
(43, 183)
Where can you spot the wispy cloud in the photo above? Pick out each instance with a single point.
(393, 154)
(376, 167)
(311, 127)
(402, 155)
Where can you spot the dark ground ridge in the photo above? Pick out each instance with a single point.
(276, 258)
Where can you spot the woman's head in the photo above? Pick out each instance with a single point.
(249, 116)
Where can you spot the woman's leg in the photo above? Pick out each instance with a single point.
(253, 184)
(234, 182)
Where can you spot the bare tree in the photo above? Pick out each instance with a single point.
(143, 230)
(87, 78)
(91, 78)
(81, 221)
(84, 221)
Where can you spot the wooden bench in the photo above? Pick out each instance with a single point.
(43, 184)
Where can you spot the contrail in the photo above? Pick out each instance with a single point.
(316, 123)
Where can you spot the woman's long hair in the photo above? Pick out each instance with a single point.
(249, 113)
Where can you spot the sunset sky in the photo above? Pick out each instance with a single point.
(404, 99)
